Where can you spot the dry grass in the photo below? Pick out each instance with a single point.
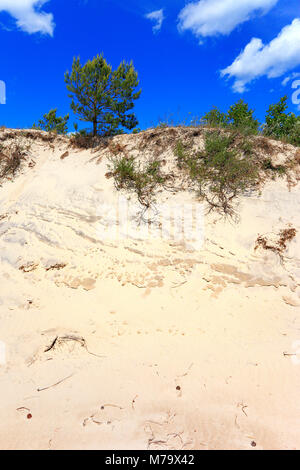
(117, 148)
(10, 160)
(15, 146)
(279, 245)
(297, 157)
(263, 144)
(87, 141)
(28, 134)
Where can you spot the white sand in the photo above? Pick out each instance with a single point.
(179, 349)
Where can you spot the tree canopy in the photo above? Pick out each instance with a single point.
(241, 117)
(279, 123)
(53, 123)
(103, 96)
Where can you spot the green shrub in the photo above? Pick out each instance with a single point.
(238, 117)
(53, 123)
(241, 117)
(247, 147)
(215, 118)
(294, 137)
(217, 143)
(124, 172)
(282, 125)
(180, 154)
(142, 179)
(220, 172)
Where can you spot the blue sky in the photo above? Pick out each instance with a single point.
(189, 55)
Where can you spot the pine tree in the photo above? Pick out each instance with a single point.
(53, 123)
(103, 96)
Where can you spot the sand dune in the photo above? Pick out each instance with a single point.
(150, 343)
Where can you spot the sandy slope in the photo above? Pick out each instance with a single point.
(150, 344)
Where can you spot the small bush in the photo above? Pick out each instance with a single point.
(282, 125)
(10, 160)
(124, 172)
(247, 147)
(53, 123)
(180, 154)
(220, 173)
(143, 180)
(215, 118)
(241, 117)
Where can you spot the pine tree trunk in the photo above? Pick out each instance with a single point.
(94, 128)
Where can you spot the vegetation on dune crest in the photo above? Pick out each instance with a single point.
(278, 124)
(225, 169)
(219, 173)
(238, 117)
(241, 117)
(230, 165)
(237, 152)
(215, 118)
(237, 157)
(103, 96)
(10, 160)
(53, 123)
(282, 125)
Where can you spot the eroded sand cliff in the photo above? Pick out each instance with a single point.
(143, 344)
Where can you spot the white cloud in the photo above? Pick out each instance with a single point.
(28, 15)
(273, 60)
(213, 17)
(158, 17)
